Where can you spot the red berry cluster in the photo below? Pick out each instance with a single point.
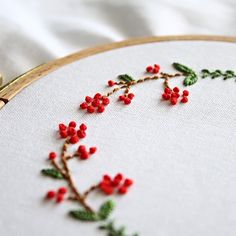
(95, 104)
(70, 131)
(173, 95)
(59, 195)
(153, 69)
(111, 83)
(84, 154)
(109, 185)
(126, 98)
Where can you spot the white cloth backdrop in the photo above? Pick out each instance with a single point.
(182, 158)
(34, 32)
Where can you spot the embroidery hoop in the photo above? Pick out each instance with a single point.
(10, 90)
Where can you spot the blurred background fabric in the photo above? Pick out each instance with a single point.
(35, 32)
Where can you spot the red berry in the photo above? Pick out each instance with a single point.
(72, 124)
(157, 66)
(155, 70)
(105, 101)
(175, 95)
(88, 99)
(83, 127)
(176, 89)
(168, 90)
(131, 96)
(121, 97)
(62, 190)
(81, 148)
(81, 134)
(127, 101)
(97, 96)
(166, 96)
(63, 134)
(101, 109)
(90, 109)
(62, 127)
(52, 155)
(122, 190)
(173, 101)
(50, 194)
(74, 139)
(184, 100)
(111, 83)
(106, 178)
(96, 102)
(116, 181)
(84, 155)
(149, 69)
(108, 190)
(83, 105)
(71, 131)
(185, 93)
(60, 198)
(92, 150)
(128, 182)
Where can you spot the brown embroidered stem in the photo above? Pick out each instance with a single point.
(53, 162)
(67, 175)
(91, 189)
(127, 85)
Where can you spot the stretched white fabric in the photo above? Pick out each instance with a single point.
(182, 158)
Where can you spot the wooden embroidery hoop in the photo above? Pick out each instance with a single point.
(11, 89)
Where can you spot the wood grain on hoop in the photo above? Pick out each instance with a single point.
(14, 87)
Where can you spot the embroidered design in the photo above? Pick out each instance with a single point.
(60, 170)
(97, 104)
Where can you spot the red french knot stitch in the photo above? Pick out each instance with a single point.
(59, 194)
(127, 99)
(109, 185)
(83, 153)
(95, 104)
(173, 95)
(111, 83)
(52, 155)
(153, 69)
(50, 194)
(83, 127)
(72, 124)
(74, 139)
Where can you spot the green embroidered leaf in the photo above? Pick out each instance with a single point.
(106, 209)
(126, 78)
(84, 215)
(190, 79)
(182, 68)
(52, 173)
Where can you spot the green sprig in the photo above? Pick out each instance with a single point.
(228, 74)
(52, 173)
(191, 77)
(113, 231)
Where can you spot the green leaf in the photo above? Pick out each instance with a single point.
(190, 79)
(106, 209)
(182, 68)
(84, 215)
(126, 78)
(52, 173)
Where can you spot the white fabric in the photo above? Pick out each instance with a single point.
(34, 32)
(182, 158)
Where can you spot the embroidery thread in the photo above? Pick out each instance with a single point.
(60, 170)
